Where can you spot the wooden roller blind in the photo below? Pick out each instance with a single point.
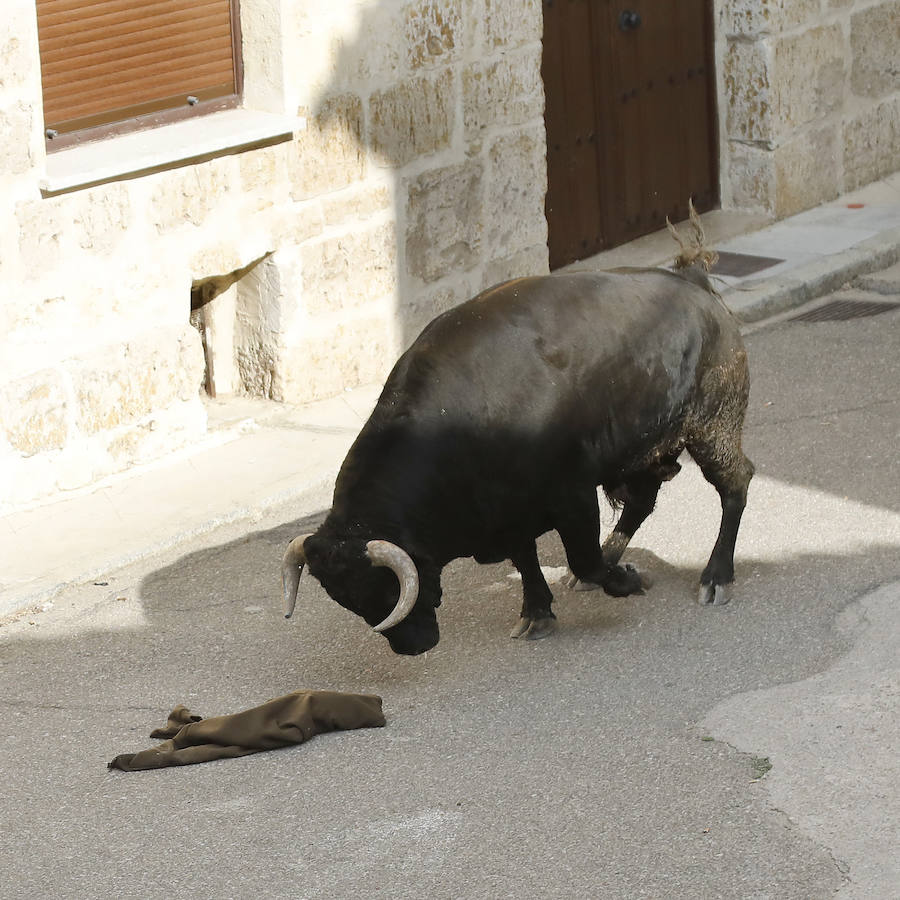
(105, 61)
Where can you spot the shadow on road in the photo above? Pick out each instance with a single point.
(824, 409)
(208, 629)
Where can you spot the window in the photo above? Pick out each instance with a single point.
(110, 66)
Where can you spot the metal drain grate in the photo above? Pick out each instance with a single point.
(839, 310)
(739, 265)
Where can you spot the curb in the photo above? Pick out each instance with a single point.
(811, 280)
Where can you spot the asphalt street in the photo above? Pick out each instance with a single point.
(651, 748)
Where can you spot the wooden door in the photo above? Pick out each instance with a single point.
(630, 118)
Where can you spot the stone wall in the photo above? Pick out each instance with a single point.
(418, 179)
(809, 99)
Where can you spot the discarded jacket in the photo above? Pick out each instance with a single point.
(291, 719)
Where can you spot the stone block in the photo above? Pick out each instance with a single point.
(291, 225)
(127, 382)
(747, 75)
(766, 17)
(514, 199)
(421, 306)
(34, 412)
(412, 119)
(15, 148)
(874, 43)
(218, 258)
(262, 172)
(258, 364)
(330, 153)
(750, 177)
(15, 62)
(354, 352)
(356, 202)
(808, 171)
(811, 74)
(872, 144)
(344, 272)
(530, 261)
(189, 365)
(434, 32)
(41, 232)
(366, 47)
(189, 195)
(507, 23)
(111, 393)
(258, 331)
(445, 221)
(502, 92)
(30, 320)
(102, 218)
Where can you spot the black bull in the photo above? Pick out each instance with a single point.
(499, 423)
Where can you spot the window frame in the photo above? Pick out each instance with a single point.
(55, 141)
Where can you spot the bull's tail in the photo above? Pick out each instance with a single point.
(695, 259)
(694, 252)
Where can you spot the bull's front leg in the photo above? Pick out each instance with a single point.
(536, 620)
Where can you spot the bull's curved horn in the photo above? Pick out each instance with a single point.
(291, 569)
(384, 553)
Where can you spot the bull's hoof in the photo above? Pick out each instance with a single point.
(646, 579)
(713, 595)
(576, 584)
(533, 629)
(571, 581)
(579, 585)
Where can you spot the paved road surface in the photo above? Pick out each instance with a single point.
(626, 757)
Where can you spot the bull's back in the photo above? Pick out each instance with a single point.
(579, 348)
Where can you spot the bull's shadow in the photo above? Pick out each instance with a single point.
(326, 646)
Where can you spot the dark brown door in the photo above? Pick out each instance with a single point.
(630, 117)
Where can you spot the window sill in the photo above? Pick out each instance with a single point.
(168, 146)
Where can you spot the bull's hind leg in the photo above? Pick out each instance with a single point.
(639, 494)
(578, 524)
(641, 490)
(536, 620)
(727, 469)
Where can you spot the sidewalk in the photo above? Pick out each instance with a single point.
(259, 456)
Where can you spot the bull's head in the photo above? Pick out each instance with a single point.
(357, 575)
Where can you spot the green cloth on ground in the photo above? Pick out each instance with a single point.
(291, 719)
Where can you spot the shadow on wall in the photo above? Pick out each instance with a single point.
(431, 136)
